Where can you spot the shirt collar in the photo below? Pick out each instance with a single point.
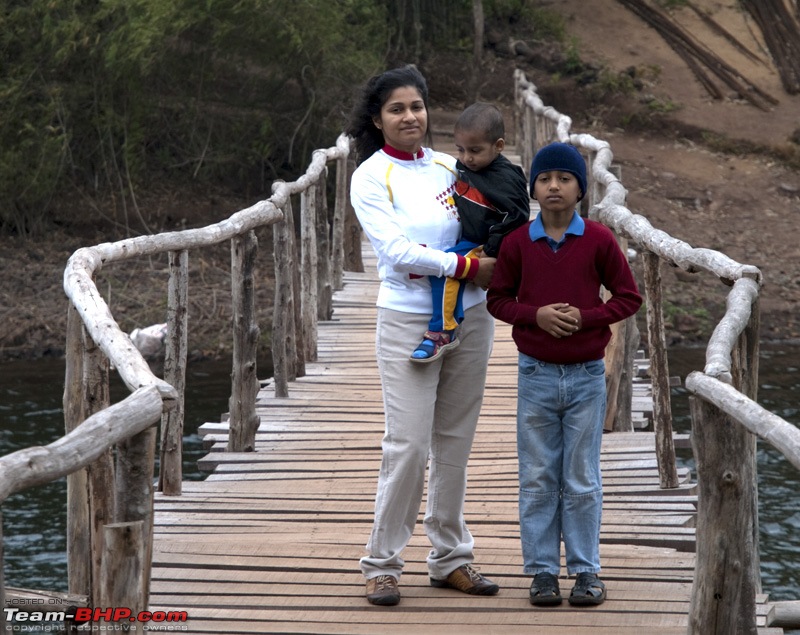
(575, 227)
(403, 156)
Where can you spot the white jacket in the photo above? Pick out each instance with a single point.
(406, 208)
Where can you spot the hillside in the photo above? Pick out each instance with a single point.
(746, 205)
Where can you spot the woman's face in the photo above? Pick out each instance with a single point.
(403, 119)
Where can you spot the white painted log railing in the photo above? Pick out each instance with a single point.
(725, 416)
(111, 501)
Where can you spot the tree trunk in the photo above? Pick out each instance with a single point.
(477, 51)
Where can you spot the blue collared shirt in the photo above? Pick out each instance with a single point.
(536, 230)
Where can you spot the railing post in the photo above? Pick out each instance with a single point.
(135, 490)
(620, 353)
(299, 358)
(170, 475)
(101, 478)
(619, 375)
(541, 133)
(244, 382)
(745, 364)
(746, 354)
(324, 264)
(624, 419)
(659, 373)
(522, 124)
(309, 274)
(79, 570)
(530, 129)
(596, 190)
(124, 566)
(284, 344)
(724, 591)
(337, 231)
(352, 229)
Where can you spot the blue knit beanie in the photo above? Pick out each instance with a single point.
(562, 157)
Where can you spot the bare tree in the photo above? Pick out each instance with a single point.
(477, 51)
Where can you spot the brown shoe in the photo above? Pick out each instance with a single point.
(467, 580)
(383, 591)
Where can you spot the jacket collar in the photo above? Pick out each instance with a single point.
(403, 156)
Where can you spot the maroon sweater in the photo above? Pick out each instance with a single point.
(529, 275)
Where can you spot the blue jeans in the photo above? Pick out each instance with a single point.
(560, 413)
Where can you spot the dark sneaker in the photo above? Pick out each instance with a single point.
(588, 590)
(467, 580)
(544, 590)
(383, 591)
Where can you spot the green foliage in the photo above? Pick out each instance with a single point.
(546, 24)
(672, 4)
(663, 107)
(111, 96)
(105, 95)
(418, 28)
(674, 311)
(572, 59)
(31, 144)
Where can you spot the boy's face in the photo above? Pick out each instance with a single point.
(474, 150)
(556, 191)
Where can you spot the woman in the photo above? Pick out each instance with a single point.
(402, 193)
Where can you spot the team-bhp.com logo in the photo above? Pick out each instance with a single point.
(99, 619)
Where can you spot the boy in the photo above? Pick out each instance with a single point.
(492, 199)
(546, 283)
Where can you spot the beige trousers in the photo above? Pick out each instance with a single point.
(431, 415)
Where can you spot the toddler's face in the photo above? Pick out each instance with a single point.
(475, 150)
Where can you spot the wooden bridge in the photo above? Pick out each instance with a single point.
(270, 542)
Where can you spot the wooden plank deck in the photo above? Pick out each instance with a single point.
(270, 541)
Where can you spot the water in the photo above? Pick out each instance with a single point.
(778, 480)
(34, 521)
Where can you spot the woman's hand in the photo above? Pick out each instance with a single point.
(559, 320)
(485, 271)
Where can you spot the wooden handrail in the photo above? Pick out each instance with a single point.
(120, 498)
(779, 433)
(35, 466)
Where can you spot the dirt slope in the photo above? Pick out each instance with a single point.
(747, 206)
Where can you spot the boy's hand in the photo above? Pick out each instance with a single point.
(558, 319)
(573, 312)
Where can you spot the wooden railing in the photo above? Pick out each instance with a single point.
(725, 415)
(108, 453)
